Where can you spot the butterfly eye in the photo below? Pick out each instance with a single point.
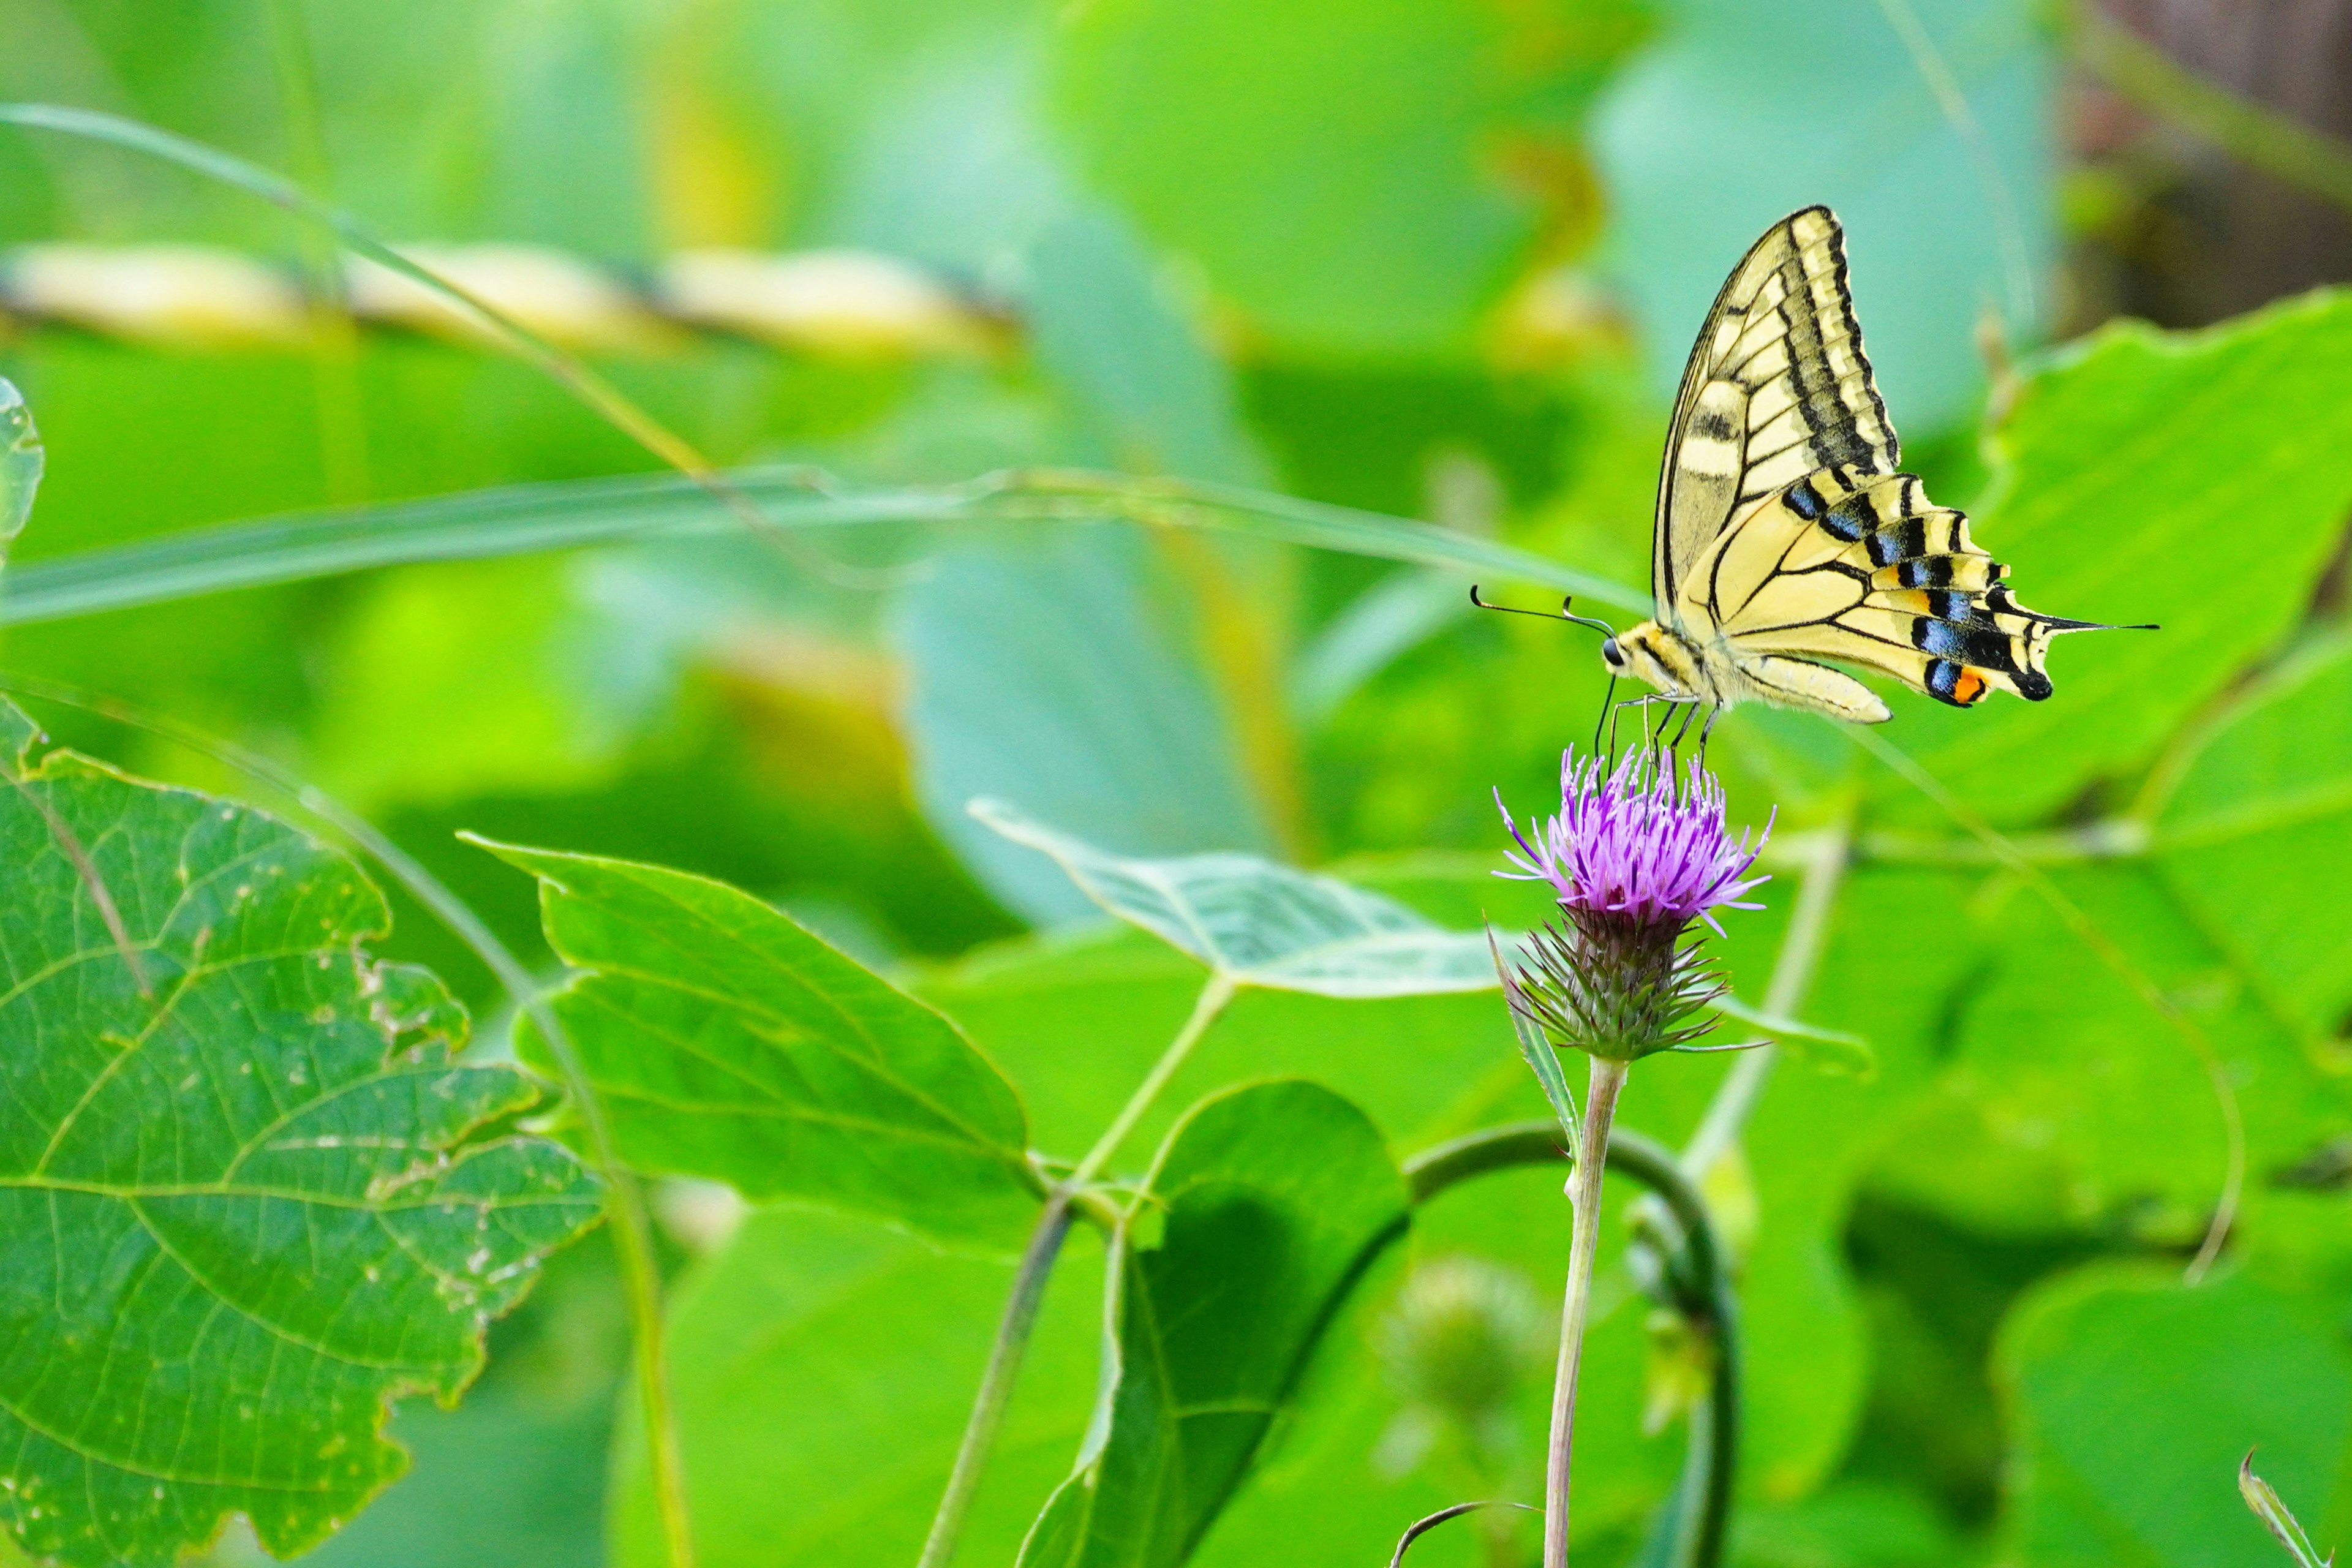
(1611, 654)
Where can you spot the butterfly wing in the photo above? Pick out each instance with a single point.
(1776, 387)
(1863, 568)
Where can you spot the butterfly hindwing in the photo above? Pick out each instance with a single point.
(1863, 568)
(1777, 386)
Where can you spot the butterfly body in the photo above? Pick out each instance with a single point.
(1785, 532)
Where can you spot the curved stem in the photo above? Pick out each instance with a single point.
(1703, 1294)
(1584, 1194)
(995, 1395)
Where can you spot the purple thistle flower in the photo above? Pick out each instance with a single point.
(1634, 856)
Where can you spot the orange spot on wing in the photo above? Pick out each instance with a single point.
(1968, 687)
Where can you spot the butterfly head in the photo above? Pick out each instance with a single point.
(1653, 653)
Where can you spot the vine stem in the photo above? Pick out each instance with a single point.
(995, 1395)
(1010, 1346)
(1584, 1196)
(1830, 850)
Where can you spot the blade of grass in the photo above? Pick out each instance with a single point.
(600, 395)
(524, 519)
(640, 1273)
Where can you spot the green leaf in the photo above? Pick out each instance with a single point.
(1039, 672)
(822, 1367)
(2255, 836)
(1266, 1203)
(20, 463)
(2133, 1399)
(1331, 169)
(727, 1042)
(246, 1198)
(1265, 925)
(2126, 459)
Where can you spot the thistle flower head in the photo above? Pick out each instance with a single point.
(1635, 856)
(1637, 843)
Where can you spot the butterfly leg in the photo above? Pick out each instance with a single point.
(1704, 732)
(1603, 717)
(1690, 711)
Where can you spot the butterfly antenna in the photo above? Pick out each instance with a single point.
(1567, 612)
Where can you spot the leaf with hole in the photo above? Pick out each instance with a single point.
(245, 1197)
(727, 1042)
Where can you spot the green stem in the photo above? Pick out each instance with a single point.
(995, 1395)
(1792, 973)
(1211, 1002)
(1012, 1342)
(1703, 1293)
(1584, 1194)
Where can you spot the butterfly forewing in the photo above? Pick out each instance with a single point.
(1776, 387)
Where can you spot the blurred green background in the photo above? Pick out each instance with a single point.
(1437, 258)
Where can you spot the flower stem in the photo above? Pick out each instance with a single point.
(995, 1395)
(1013, 1331)
(1584, 1195)
(1703, 1502)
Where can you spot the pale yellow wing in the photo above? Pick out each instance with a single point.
(1777, 386)
(1863, 569)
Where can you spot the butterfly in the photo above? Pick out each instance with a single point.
(1786, 533)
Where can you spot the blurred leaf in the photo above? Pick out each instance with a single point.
(1702, 149)
(484, 679)
(249, 1200)
(2255, 834)
(823, 1367)
(2074, 1071)
(1268, 1203)
(1334, 171)
(724, 1041)
(1044, 675)
(1134, 368)
(2133, 1398)
(20, 463)
(1261, 924)
(2198, 480)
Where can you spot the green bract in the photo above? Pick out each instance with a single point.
(246, 1199)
